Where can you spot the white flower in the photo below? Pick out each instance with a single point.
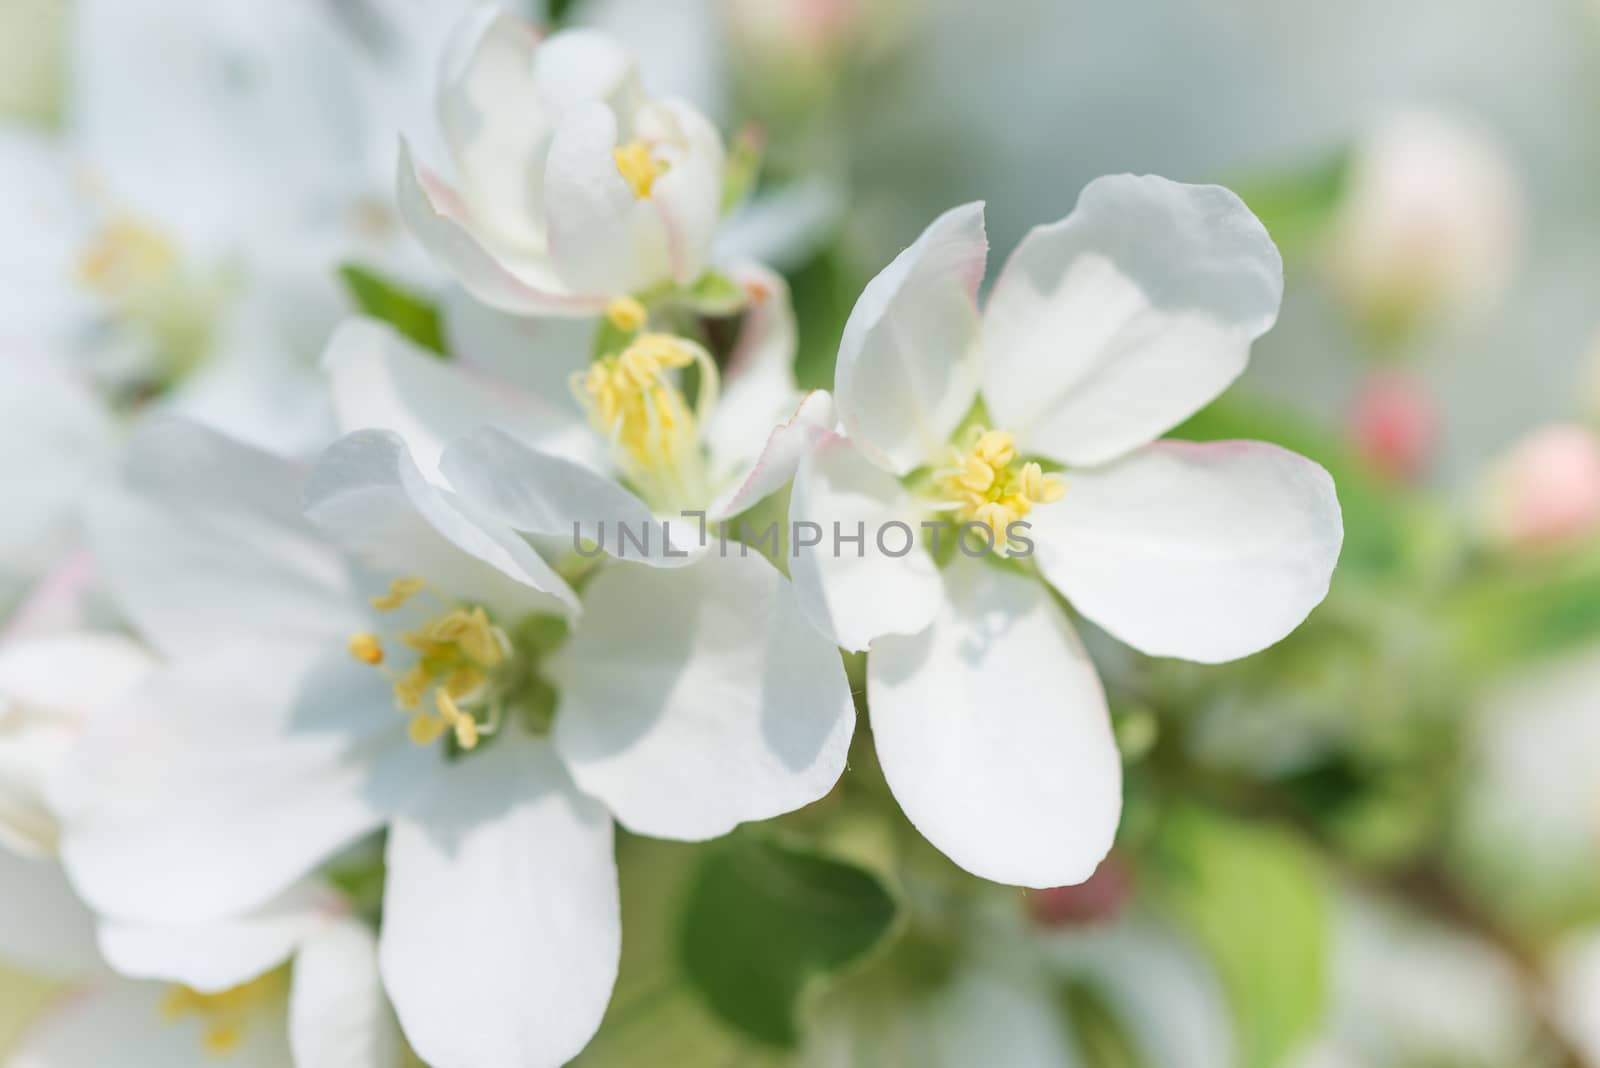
(572, 187)
(1432, 222)
(296, 981)
(685, 701)
(736, 443)
(224, 986)
(1104, 330)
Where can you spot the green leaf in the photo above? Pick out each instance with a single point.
(767, 918)
(1297, 207)
(1253, 897)
(411, 314)
(1525, 609)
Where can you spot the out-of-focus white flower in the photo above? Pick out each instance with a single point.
(1545, 490)
(182, 993)
(1406, 990)
(1575, 991)
(428, 708)
(1103, 330)
(571, 187)
(1432, 221)
(1531, 811)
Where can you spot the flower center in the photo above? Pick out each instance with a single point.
(638, 167)
(225, 1017)
(633, 399)
(456, 656)
(984, 483)
(126, 260)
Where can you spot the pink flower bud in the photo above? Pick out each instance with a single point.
(1393, 425)
(1545, 490)
(1098, 899)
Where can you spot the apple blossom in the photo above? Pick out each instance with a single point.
(447, 706)
(1102, 331)
(571, 186)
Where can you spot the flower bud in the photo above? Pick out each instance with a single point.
(1393, 425)
(1545, 490)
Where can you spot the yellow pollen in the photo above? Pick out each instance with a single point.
(638, 167)
(126, 258)
(401, 590)
(456, 652)
(632, 399)
(627, 314)
(224, 1017)
(984, 485)
(366, 648)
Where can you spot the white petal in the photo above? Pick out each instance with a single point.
(501, 927)
(497, 132)
(49, 687)
(535, 493)
(603, 239)
(785, 445)
(230, 777)
(993, 732)
(908, 366)
(338, 1014)
(689, 195)
(758, 386)
(367, 495)
(44, 926)
(440, 219)
(538, 356)
(202, 540)
(382, 381)
(697, 699)
(852, 594)
(55, 436)
(122, 1023)
(1115, 324)
(1206, 552)
(220, 955)
(44, 224)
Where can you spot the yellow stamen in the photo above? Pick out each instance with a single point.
(638, 167)
(126, 258)
(627, 314)
(366, 648)
(401, 590)
(225, 1017)
(633, 399)
(457, 651)
(983, 485)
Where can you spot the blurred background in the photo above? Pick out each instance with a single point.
(1376, 844)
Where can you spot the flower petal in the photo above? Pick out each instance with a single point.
(992, 730)
(531, 492)
(501, 928)
(758, 386)
(338, 1014)
(689, 195)
(176, 814)
(785, 445)
(202, 540)
(855, 596)
(1206, 552)
(908, 366)
(45, 927)
(603, 239)
(55, 437)
(382, 381)
(123, 1023)
(697, 699)
(50, 686)
(1115, 324)
(218, 956)
(367, 495)
(439, 218)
